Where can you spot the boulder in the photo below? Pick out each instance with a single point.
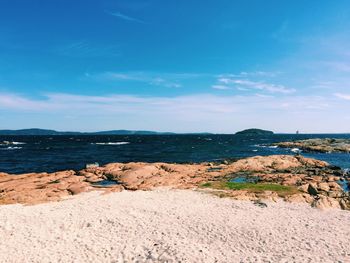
(299, 198)
(323, 187)
(335, 194)
(304, 188)
(325, 202)
(77, 188)
(345, 203)
(335, 186)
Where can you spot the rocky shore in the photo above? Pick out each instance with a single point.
(326, 145)
(292, 178)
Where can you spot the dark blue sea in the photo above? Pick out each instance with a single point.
(23, 154)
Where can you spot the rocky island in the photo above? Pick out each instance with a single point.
(326, 145)
(291, 178)
(252, 132)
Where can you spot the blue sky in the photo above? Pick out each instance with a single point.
(183, 66)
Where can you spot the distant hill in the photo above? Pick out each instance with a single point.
(53, 132)
(254, 132)
(34, 132)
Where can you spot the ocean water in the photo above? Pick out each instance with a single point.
(23, 154)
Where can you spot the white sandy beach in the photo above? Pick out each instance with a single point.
(171, 226)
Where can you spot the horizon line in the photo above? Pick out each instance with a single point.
(170, 132)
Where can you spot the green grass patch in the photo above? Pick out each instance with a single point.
(206, 185)
(257, 186)
(281, 190)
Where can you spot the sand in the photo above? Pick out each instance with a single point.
(171, 226)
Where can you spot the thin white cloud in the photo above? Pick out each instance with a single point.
(165, 83)
(263, 95)
(84, 48)
(259, 74)
(245, 74)
(342, 96)
(242, 89)
(119, 76)
(151, 78)
(126, 17)
(225, 80)
(257, 85)
(221, 87)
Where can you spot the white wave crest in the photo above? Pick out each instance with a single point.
(259, 145)
(111, 143)
(11, 148)
(295, 150)
(11, 143)
(273, 147)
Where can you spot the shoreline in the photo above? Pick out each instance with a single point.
(291, 178)
(169, 225)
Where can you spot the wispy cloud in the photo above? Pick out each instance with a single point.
(167, 80)
(126, 17)
(273, 88)
(165, 83)
(221, 87)
(83, 48)
(257, 85)
(245, 74)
